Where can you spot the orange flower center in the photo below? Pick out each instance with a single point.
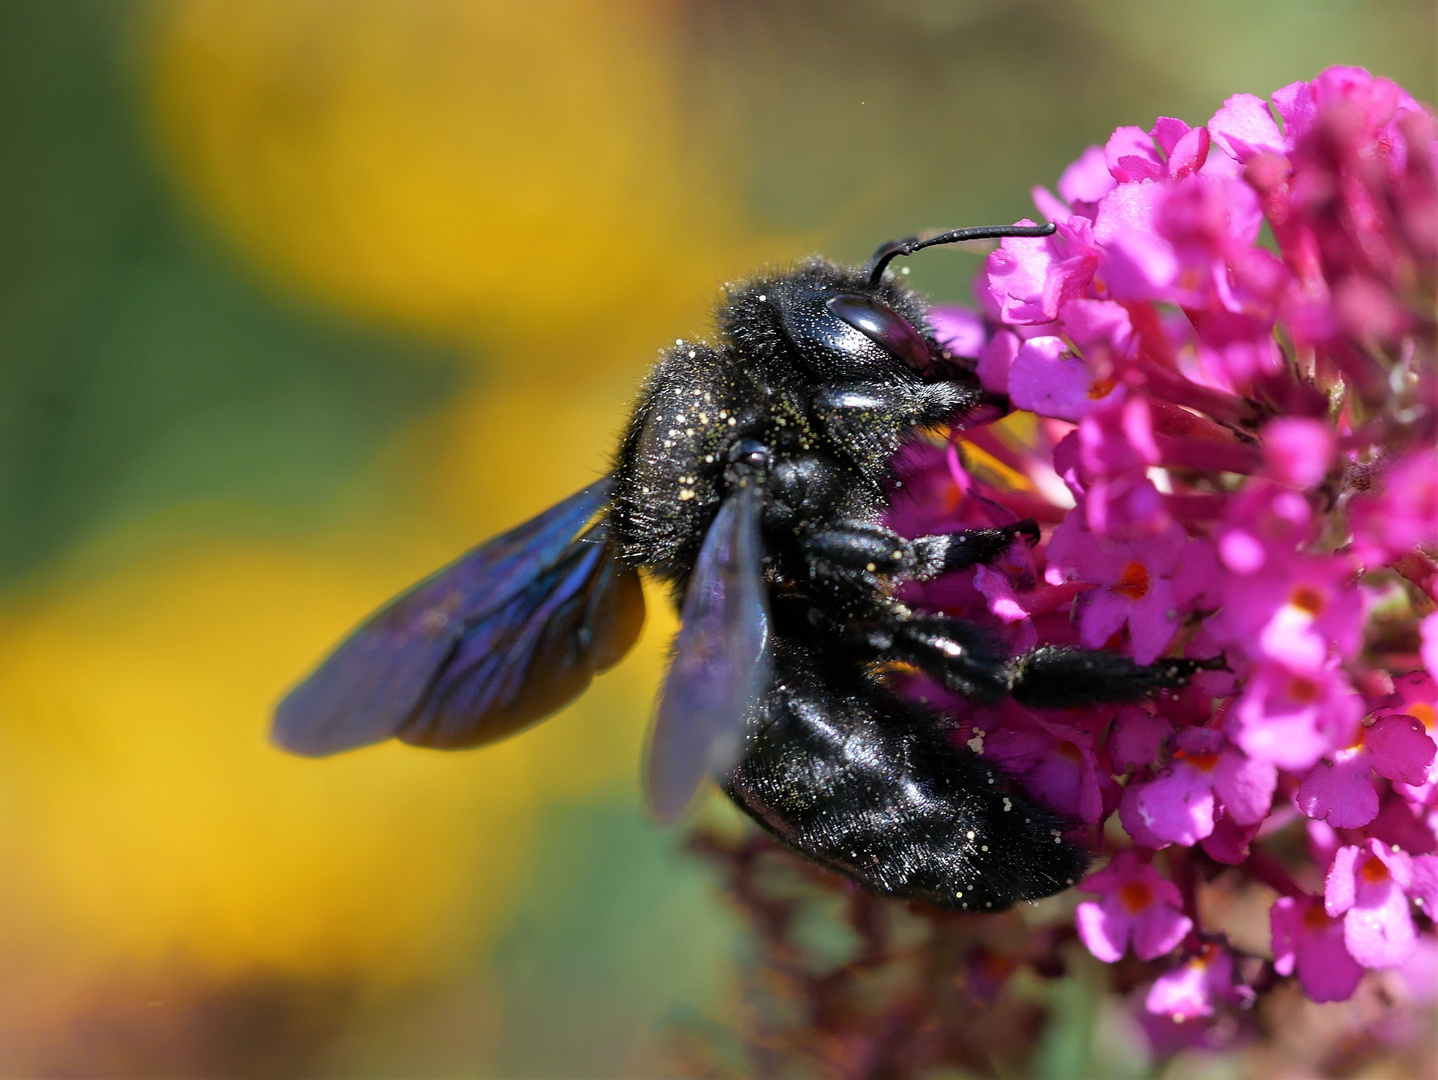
(1353, 747)
(1133, 582)
(1315, 918)
(1308, 599)
(1303, 691)
(1373, 870)
(1422, 712)
(1069, 751)
(1101, 388)
(1204, 763)
(1135, 896)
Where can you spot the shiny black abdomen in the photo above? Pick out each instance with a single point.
(881, 790)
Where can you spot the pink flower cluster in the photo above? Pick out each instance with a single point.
(1225, 403)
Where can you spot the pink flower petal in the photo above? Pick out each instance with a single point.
(1340, 890)
(1189, 154)
(1139, 265)
(1296, 107)
(1285, 924)
(1399, 749)
(1245, 786)
(999, 592)
(1242, 552)
(1087, 179)
(1094, 323)
(995, 360)
(1158, 931)
(1104, 933)
(1423, 885)
(1428, 633)
(1130, 155)
(1128, 208)
(1178, 806)
(1166, 132)
(1137, 738)
(1153, 621)
(1229, 841)
(1380, 935)
(1047, 380)
(1182, 993)
(1102, 615)
(1299, 451)
(1243, 128)
(958, 329)
(1309, 943)
(1049, 206)
(1132, 820)
(1340, 793)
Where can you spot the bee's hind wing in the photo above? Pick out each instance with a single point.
(721, 663)
(504, 635)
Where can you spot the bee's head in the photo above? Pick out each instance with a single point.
(850, 324)
(850, 333)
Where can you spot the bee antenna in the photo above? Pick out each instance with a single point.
(894, 248)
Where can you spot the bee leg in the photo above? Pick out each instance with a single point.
(962, 655)
(865, 554)
(1059, 678)
(857, 553)
(943, 553)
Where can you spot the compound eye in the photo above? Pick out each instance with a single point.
(883, 325)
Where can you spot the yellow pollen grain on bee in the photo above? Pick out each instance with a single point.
(692, 355)
(763, 298)
(958, 896)
(970, 834)
(983, 847)
(709, 458)
(689, 431)
(870, 567)
(1007, 804)
(686, 494)
(704, 418)
(732, 422)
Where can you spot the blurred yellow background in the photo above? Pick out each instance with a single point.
(301, 299)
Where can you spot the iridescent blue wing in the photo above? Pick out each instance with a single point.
(720, 668)
(536, 652)
(379, 682)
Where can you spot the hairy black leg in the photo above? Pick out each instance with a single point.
(859, 554)
(943, 553)
(962, 655)
(1055, 678)
(970, 661)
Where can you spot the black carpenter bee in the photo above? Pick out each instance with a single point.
(752, 479)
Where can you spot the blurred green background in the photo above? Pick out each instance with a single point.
(297, 300)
